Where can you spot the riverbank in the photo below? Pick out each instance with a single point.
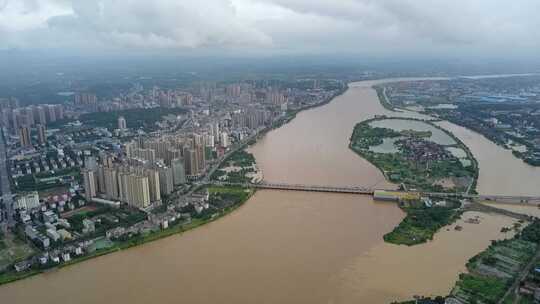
(496, 140)
(422, 221)
(176, 229)
(243, 195)
(244, 253)
(478, 117)
(383, 99)
(494, 274)
(292, 114)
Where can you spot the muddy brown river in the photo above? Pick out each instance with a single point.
(296, 247)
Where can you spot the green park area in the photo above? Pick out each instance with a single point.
(135, 118)
(46, 181)
(412, 160)
(236, 168)
(13, 250)
(108, 217)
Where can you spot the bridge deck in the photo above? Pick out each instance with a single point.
(370, 191)
(353, 190)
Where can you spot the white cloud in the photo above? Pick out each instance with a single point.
(421, 26)
(365, 26)
(126, 23)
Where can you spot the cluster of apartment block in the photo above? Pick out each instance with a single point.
(171, 150)
(149, 169)
(136, 182)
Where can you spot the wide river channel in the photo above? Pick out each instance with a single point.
(297, 247)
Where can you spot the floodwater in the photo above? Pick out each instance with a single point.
(437, 135)
(294, 247)
(500, 172)
(387, 146)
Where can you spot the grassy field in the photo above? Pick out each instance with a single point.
(243, 161)
(46, 181)
(13, 250)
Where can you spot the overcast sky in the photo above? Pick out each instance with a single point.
(496, 27)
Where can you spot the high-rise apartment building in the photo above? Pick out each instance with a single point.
(111, 183)
(166, 179)
(24, 137)
(224, 140)
(83, 99)
(138, 191)
(179, 171)
(145, 154)
(153, 184)
(201, 157)
(190, 161)
(100, 179)
(122, 124)
(40, 116)
(42, 136)
(89, 184)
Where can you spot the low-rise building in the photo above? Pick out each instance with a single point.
(53, 234)
(88, 226)
(49, 216)
(22, 266)
(27, 201)
(115, 232)
(64, 234)
(66, 256)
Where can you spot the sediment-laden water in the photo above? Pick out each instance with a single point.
(296, 247)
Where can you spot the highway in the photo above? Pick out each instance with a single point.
(7, 216)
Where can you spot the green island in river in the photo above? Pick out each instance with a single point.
(412, 159)
(416, 161)
(493, 274)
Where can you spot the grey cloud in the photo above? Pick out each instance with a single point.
(420, 24)
(144, 24)
(363, 26)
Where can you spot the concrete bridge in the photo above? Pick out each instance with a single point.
(313, 188)
(300, 187)
(371, 191)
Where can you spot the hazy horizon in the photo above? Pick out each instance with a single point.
(45, 41)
